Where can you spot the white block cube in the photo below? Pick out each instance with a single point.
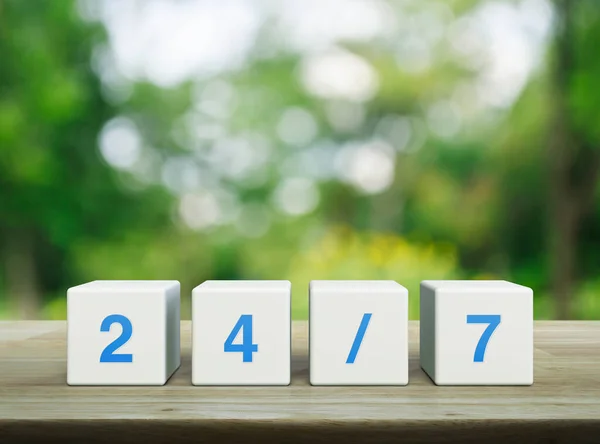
(123, 332)
(241, 333)
(358, 333)
(477, 332)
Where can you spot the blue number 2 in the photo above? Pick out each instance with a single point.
(493, 321)
(246, 347)
(108, 355)
(360, 334)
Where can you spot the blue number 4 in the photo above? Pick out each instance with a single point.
(108, 354)
(246, 347)
(493, 321)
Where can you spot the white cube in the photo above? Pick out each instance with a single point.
(358, 333)
(477, 332)
(241, 333)
(123, 332)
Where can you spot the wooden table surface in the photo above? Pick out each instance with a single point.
(563, 405)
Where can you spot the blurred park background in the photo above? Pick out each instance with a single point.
(313, 139)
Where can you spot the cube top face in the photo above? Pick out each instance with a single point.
(356, 286)
(244, 286)
(482, 287)
(482, 333)
(241, 333)
(125, 286)
(358, 333)
(118, 334)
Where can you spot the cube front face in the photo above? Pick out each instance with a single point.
(358, 333)
(117, 333)
(483, 335)
(241, 333)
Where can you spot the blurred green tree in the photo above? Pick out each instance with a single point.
(55, 190)
(513, 193)
(546, 166)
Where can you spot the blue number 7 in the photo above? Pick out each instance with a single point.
(494, 321)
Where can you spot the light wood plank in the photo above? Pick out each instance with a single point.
(566, 388)
(20, 330)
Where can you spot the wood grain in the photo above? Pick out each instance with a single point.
(563, 405)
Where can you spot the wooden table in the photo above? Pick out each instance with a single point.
(563, 405)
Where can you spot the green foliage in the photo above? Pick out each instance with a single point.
(472, 205)
(54, 186)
